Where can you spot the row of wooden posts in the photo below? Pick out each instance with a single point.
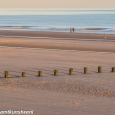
(56, 72)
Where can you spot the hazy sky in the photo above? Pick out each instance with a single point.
(57, 3)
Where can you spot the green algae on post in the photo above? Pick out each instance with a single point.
(23, 74)
(39, 73)
(85, 70)
(6, 74)
(71, 71)
(99, 69)
(113, 69)
(55, 72)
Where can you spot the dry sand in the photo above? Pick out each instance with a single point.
(77, 94)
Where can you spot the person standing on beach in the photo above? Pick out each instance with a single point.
(70, 29)
(73, 29)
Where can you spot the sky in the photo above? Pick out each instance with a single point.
(57, 4)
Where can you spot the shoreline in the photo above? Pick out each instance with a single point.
(57, 34)
(58, 40)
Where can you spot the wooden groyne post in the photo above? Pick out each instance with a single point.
(70, 71)
(23, 74)
(6, 74)
(55, 72)
(99, 69)
(113, 69)
(39, 73)
(85, 70)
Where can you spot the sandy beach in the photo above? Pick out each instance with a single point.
(57, 34)
(77, 94)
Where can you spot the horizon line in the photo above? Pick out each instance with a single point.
(63, 8)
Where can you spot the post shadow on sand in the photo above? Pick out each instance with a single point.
(13, 74)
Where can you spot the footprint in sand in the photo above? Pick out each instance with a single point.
(74, 102)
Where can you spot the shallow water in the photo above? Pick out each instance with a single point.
(58, 20)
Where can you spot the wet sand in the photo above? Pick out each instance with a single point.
(53, 40)
(57, 34)
(77, 94)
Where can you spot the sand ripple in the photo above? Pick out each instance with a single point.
(74, 86)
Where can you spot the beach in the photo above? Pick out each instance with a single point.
(78, 94)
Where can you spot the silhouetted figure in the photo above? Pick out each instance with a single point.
(70, 29)
(73, 29)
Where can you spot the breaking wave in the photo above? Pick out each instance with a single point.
(54, 29)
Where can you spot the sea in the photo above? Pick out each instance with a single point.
(101, 21)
